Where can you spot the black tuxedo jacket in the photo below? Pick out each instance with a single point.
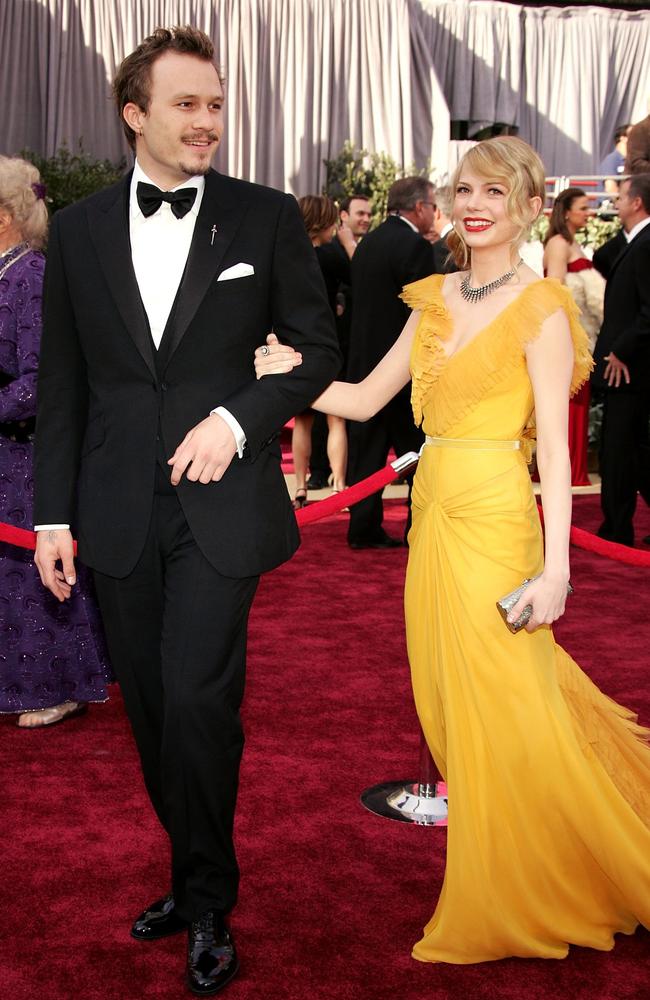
(388, 258)
(605, 255)
(106, 398)
(626, 321)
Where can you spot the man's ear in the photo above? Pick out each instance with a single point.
(134, 117)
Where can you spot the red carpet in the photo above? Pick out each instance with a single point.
(332, 897)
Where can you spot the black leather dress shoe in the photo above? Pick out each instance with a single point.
(158, 921)
(382, 542)
(212, 959)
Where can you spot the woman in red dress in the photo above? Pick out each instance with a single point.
(565, 260)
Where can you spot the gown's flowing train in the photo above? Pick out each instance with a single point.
(549, 805)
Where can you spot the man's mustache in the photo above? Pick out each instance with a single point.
(210, 136)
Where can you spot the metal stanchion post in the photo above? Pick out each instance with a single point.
(423, 802)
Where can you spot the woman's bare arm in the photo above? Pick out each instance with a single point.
(556, 258)
(550, 364)
(353, 401)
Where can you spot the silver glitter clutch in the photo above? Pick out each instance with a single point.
(505, 604)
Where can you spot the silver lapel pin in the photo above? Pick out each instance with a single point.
(214, 233)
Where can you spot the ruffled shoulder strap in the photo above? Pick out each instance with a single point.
(427, 355)
(425, 293)
(535, 305)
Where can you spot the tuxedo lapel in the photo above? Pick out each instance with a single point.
(220, 216)
(109, 230)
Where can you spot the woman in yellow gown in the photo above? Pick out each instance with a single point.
(548, 779)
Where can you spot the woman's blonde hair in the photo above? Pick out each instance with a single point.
(22, 196)
(514, 163)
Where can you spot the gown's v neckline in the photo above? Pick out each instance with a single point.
(460, 350)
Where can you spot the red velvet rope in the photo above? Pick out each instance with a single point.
(20, 537)
(601, 547)
(332, 505)
(24, 539)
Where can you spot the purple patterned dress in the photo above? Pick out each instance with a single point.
(49, 652)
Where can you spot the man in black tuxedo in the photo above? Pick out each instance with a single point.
(390, 257)
(622, 368)
(157, 444)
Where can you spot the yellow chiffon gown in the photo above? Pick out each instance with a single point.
(548, 778)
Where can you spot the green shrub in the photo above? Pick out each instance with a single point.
(69, 176)
(356, 171)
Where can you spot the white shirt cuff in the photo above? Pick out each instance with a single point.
(51, 527)
(235, 427)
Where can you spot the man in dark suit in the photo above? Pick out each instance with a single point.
(390, 257)
(157, 444)
(605, 255)
(622, 368)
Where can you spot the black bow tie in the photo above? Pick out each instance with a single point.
(150, 198)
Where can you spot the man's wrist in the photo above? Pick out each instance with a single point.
(235, 427)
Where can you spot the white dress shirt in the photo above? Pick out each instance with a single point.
(637, 229)
(160, 245)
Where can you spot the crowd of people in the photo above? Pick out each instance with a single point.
(156, 443)
(378, 265)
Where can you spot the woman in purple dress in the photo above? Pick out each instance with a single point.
(52, 656)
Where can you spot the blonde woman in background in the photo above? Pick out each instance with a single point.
(319, 214)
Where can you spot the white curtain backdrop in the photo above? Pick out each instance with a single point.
(305, 75)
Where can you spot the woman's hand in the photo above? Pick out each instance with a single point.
(547, 595)
(275, 358)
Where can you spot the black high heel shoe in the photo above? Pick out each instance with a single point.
(300, 498)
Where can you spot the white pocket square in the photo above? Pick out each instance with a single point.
(240, 270)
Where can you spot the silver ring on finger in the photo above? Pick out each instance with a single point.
(264, 351)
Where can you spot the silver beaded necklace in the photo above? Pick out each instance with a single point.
(482, 291)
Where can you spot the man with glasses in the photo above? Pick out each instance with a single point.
(390, 257)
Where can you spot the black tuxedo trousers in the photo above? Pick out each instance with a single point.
(176, 631)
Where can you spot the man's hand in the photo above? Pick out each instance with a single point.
(52, 546)
(208, 449)
(615, 370)
(346, 239)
